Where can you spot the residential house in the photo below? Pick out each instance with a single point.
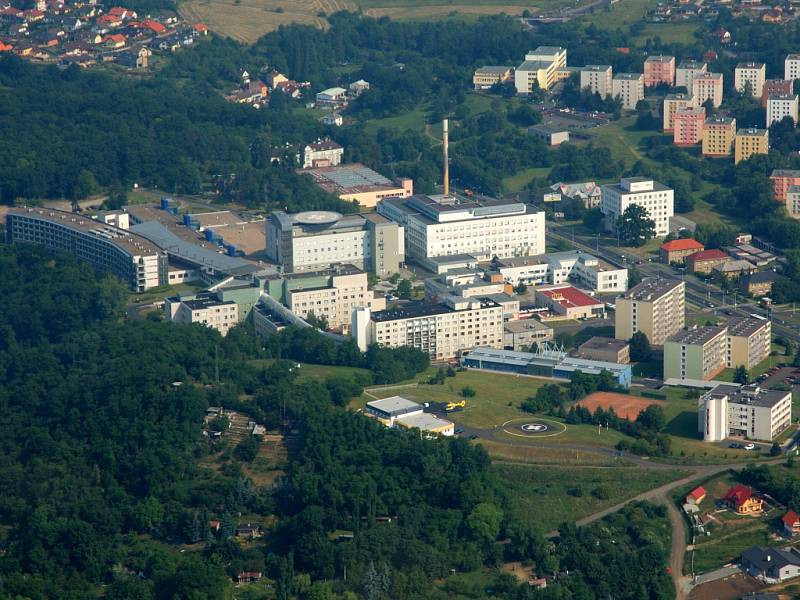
(676, 251)
(696, 496)
(771, 565)
(248, 577)
(732, 269)
(135, 58)
(742, 500)
(249, 530)
(705, 260)
(760, 284)
(332, 97)
(791, 524)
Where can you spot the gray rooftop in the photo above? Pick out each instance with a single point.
(652, 289)
(691, 64)
(492, 70)
(393, 404)
(697, 335)
(424, 421)
(603, 343)
(628, 76)
(750, 395)
(524, 325)
(744, 326)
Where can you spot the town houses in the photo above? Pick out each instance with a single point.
(83, 33)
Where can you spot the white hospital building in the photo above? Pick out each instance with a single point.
(656, 198)
(748, 411)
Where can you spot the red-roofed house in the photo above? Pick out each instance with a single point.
(200, 28)
(705, 260)
(108, 21)
(677, 250)
(741, 499)
(791, 523)
(115, 40)
(569, 302)
(5, 47)
(154, 26)
(696, 495)
(122, 13)
(248, 577)
(33, 15)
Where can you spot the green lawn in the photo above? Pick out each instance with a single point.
(161, 292)
(497, 396)
(670, 33)
(516, 183)
(620, 15)
(414, 120)
(548, 497)
(540, 4)
(319, 372)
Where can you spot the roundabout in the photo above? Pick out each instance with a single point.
(535, 427)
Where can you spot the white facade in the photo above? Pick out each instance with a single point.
(748, 412)
(750, 73)
(654, 197)
(707, 86)
(793, 201)
(322, 153)
(443, 331)
(780, 106)
(791, 67)
(686, 72)
(629, 88)
(436, 226)
(598, 79)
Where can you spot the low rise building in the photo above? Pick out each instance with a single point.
(775, 87)
(771, 565)
(696, 496)
(443, 331)
(672, 103)
(780, 106)
(655, 198)
(131, 257)
(686, 72)
(688, 126)
(734, 268)
(791, 67)
(698, 353)
(586, 270)
(332, 97)
(488, 76)
(659, 70)
(520, 335)
(315, 240)
(791, 524)
(268, 322)
(782, 180)
(707, 86)
(749, 142)
(719, 136)
(747, 411)
(749, 342)
(629, 88)
(322, 153)
(656, 307)
(587, 193)
(705, 260)
(597, 79)
(388, 410)
(760, 283)
(204, 309)
(743, 500)
(427, 423)
(605, 349)
(675, 251)
(553, 136)
(357, 183)
(750, 76)
(569, 302)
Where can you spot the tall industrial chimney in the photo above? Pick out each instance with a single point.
(446, 179)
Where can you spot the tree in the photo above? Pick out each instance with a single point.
(740, 375)
(404, 289)
(520, 288)
(484, 522)
(593, 220)
(640, 349)
(376, 583)
(320, 322)
(775, 450)
(635, 227)
(467, 392)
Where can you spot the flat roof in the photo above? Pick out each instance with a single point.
(493, 69)
(570, 297)
(393, 404)
(707, 75)
(657, 187)
(750, 65)
(698, 335)
(351, 178)
(596, 68)
(751, 395)
(652, 288)
(744, 326)
(628, 76)
(534, 65)
(411, 311)
(660, 58)
(785, 173)
(691, 64)
(603, 343)
(524, 325)
(424, 421)
(128, 240)
(752, 131)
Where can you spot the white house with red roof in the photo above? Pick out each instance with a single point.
(696, 496)
(791, 524)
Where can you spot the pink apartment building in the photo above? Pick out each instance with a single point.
(689, 124)
(659, 69)
(782, 180)
(775, 87)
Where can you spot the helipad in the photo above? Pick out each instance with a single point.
(317, 217)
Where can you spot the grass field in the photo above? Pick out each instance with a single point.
(670, 33)
(319, 372)
(620, 15)
(517, 182)
(548, 497)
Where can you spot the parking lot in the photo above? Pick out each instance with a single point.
(781, 376)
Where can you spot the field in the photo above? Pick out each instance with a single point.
(549, 497)
(320, 372)
(670, 33)
(624, 405)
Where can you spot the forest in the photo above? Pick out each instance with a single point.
(104, 486)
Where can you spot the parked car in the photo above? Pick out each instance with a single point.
(750, 446)
(735, 445)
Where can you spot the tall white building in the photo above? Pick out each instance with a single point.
(791, 67)
(444, 226)
(655, 198)
(780, 106)
(629, 88)
(539, 68)
(443, 331)
(686, 72)
(752, 73)
(598, 79)
(747, 411)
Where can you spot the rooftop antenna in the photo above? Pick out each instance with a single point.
(446, 159)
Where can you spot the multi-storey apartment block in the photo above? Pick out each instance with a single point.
(782, 180)
(750, 75)
(748, 411)
(749, 342)
(775, 87)
(688, 126)
(659, 70)
(686, 72)
(793, 201)
(791, 67)
(707, 86)
(780, 106)
(204, 309)
(749, 142)
(656, 307)
(719, 135)
(629, 88)
(672, 103)
(597, 79)
(698, 353)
